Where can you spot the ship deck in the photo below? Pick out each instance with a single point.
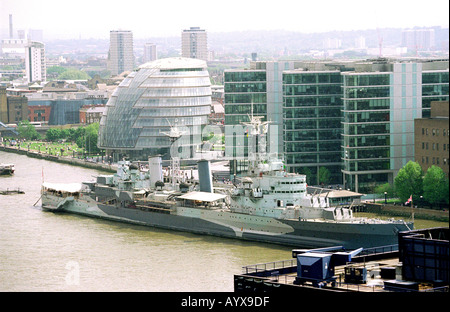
(383, 274)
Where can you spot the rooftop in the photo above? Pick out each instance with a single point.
(175, 63)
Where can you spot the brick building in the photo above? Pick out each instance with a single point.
(432, 138)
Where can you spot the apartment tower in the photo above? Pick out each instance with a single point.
(120, 55)
(35, 62)
(194, 43)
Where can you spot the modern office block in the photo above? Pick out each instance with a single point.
(381, 102)
(257, 91)
(353, 118)
(312, 123)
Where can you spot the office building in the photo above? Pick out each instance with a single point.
(194, 43)
(354, 118)
(431, 138)
(381, 100)
(148, 103)
(120, 54)
(35, 67)
(312, 123)
(258, 91)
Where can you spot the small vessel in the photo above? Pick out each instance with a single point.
(268, 205)
(6, 169)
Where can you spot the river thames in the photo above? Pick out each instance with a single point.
(45, 251)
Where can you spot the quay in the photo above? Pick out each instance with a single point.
(61, 159)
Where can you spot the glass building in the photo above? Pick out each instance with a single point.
(160, 95)
(312, 119)
(354, 118)
(258, 91)
(434, 88)
(380, 105)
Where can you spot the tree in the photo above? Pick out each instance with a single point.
(307, 172)
(409, 181)
(324, 175)
(53, 134)
(89, 140)
(27, 131)
(55, 71)
(385, 188)
(73, 74)
(435, 186)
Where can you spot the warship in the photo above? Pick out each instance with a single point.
(267, 205)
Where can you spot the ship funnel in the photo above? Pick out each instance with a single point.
(205, 176)
(155, 169)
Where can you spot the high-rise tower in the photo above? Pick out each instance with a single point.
(194, 43)
(120, 55)
(35, 62)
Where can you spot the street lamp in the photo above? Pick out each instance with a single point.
(385, 198)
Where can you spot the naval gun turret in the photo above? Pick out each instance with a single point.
(317, 265)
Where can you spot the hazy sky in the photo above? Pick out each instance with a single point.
(151, 18)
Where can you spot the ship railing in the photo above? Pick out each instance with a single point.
(378, 250)
(270, 268)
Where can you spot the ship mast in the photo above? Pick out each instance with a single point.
(257, 151)
(174, 134)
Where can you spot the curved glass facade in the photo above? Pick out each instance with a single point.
(159, 95)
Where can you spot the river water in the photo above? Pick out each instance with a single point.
(45, 251)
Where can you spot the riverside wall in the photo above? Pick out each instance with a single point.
(61, 159)
(406, 211)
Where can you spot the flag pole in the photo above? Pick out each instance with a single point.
(412, 209)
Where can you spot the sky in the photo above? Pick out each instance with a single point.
(164, 18)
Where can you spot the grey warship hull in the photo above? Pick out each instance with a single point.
(300, 234)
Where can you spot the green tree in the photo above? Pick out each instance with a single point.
(409, 181)
(386, 187)
(55, 70)
(307, 172)
(73, 74)
(53, 134)
(27, 131)
(435, 186)
(88, 141)
(324, 175)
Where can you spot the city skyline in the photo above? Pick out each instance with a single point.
(94, 19)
